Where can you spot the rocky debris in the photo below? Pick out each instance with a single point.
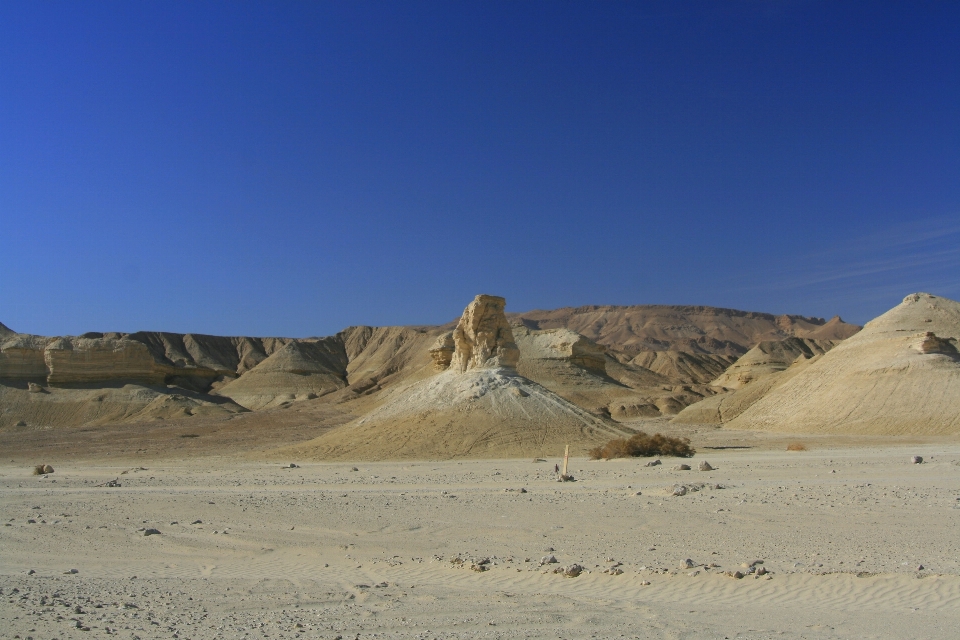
(566, 478)
(20, 423)
(920, 567)
(70, 572)
(110, 483)
(645, 583)
(42, 470)
(33, 387)
(682, 467)
(705, 466)
(688, 564)
(483, 338)
(292, 466)
(653, 463)
(151, 532)
(680, 490)
(550, 559)
(917, 459)
(442, 351)
(735, 574)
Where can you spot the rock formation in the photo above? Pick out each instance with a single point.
(477, 407)
(483, 339)
(442, 351)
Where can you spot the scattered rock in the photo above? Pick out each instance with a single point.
(919, 567)
(687, 564)
(705, 466)
(682, 467)
(645, 583)
(20, 423)
(354, 469)
(292, 466)
(151, 532)
(917, 459)
(735, 574)
(653, 463)
(572, 571)
(47, 468)
(70, 572)
(762, 571)
(522, 490)
(680, 490)
(197, 522)
(551, 559)
(33, 387)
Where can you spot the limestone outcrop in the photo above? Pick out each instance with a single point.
(483, 338)
(85, 360)
(442, 351)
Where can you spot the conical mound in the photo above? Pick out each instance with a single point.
(899, 376)
(478, 407)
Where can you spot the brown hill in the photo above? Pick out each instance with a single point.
(688, 329)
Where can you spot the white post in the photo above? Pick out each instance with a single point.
(566, 458)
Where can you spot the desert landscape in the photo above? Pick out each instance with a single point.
(395, 482)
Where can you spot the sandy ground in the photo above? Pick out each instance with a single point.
(248, 549)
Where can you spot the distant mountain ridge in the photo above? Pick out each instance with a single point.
(686, 328)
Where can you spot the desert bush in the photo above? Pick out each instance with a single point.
(796, 446)
(643, 445)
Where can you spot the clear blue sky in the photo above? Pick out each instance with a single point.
(291, 168)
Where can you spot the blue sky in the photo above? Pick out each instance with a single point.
(295, 168)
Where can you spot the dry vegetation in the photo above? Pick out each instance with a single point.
(796, 446)
(640, 444)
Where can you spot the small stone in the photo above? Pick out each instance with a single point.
(679, 490)
(354, 469)
(645, 583)
(151, 532)
(705, 466)
(682, 467)
(47, 469)
(917, 459)
(653, 463)
(737, 574)
(919, 567)
(31, 572)
(197, 522)
(687, 564)
(550, 559)
(70, 572)
(20, 423)
(522, 490)
(572, 571)
(292, 466)
(33, 387)
(761, 571)
(638, 493)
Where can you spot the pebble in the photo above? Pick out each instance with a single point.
(682, 467)
(653, 463)
(151, 532)
(916, 459)
(705, 466)
(680, 490)
(551, 559)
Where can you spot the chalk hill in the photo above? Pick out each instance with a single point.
(899, 375)
(477, 406)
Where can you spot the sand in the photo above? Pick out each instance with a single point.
(321, 550)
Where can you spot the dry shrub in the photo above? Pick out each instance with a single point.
(796, 446)
(38, 470)
(640, 444)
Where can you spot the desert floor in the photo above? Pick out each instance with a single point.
(249, 549)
